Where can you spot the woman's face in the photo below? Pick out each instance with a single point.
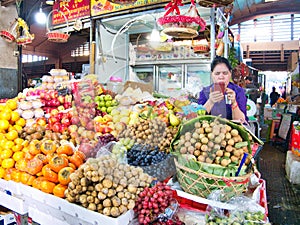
(221, 73)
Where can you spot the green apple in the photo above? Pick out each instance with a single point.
(101, 103)
(103, 109)
(101, 97)
(108, 103)
(109, 109)
(108, 98)
(114, 102)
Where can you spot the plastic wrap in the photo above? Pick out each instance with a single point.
(245, 211)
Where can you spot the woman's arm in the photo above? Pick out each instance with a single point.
(238, 104)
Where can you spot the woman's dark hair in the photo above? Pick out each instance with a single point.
(219, 60)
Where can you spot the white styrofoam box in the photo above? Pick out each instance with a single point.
(7, 219)
(44, 218)
(13, 203)
(292, 167)
(68, 211)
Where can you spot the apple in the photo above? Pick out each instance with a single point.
(108, 118)
(65, 121)
(90, 125)
(107, 97)
(63, 128)
(114, 102)
(56, 127)
(75, 120)
(101, 97)
(61, 99)
(109, 109)
(52, 120)
(54, 94)
(72, 128)
(59, 115)
(60, 108)
(54, 112)
(108, 103)
(41, 121)
(103, 109)
(101, 104)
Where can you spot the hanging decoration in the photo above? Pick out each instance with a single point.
(214, 3)
(181, 26)
(18, 32)
(57, 35)
(24, 37)
(10, 34)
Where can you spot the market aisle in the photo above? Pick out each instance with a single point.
(283, 197)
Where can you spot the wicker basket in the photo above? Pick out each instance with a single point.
(202, 184)
(57, 36)
(217, 3)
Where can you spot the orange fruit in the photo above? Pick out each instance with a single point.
(12, 104)
(12, 135)
(21, 122)
(14, 116)
(4, 124)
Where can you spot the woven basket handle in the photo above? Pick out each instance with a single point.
(62, 13)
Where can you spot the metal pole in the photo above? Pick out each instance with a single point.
(212, 33)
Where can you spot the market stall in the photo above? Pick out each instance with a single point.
(81, 152)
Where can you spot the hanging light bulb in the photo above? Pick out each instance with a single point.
(40, 16)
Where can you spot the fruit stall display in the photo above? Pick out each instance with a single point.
(102, 151)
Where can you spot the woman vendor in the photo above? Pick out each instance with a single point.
(223, 98)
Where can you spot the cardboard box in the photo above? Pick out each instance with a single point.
(142, 86)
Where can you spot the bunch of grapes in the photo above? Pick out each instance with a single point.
(152, 202)
(102, 141)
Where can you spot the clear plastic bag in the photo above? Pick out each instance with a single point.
(116, 149)
(243, 210)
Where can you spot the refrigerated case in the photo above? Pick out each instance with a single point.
(172, 77)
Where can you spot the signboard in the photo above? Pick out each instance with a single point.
(72, 9)
(100, 7)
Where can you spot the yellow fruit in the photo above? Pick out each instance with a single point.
(19, 141)
(18, 155)
(8, 144)
(18, 127)
(5, 115)
(12, 135)
(6, 153)
(1, 107)
(14, 116)
(12, 104)
(21, 122)
(4, 124)
(2, 172)
(17, 148)
(8, 163)
(25, 143)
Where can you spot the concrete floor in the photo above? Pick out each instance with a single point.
(283, 197)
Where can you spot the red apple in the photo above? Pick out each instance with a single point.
(75, 120)
(90, 125)
(56, 127)
(63, 128)
(54, 94)
(65, 121)
(59, 115)
(52, 120)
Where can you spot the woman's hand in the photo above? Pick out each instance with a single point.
(231, 95)
(215, 96)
